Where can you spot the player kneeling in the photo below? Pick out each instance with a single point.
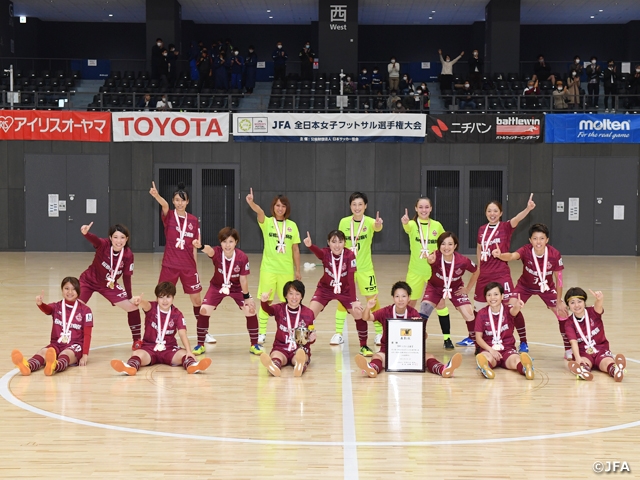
(159, 346)
(589, 344)
(70, 333)
(401, 293)
(494, 325)
(295, 332)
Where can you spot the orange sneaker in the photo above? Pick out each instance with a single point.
(200, 366)
(265, 359)
(579, 372)
(301, 359)
(50, 359)
(454, 363)
(20, 362)
(122, 367)
(365, 366)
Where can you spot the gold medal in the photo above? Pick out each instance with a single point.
(110, 285)
(64, 339)
(590, 351)
(159, 347)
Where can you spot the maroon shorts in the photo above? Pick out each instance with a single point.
(214, 297)
(597, 357)
(504, 280)
(289, 355)
(550, 297)
(61, 347)
(89, 286)
(188, 276)
(434, 295)
(325, 295)
(164, 357)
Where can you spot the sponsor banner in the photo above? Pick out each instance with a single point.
(170, 127)
(328, 127)
(55, 125)
(453, 128)
(583, 128)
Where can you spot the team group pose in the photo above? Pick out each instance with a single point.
(434, 275)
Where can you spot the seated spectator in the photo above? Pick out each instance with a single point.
(465, 96)
(426, 96)
(542, 71)
(376, 80)
(163, 104)
(399, 107)
(415, 100)
(406, 85)
(349, 85)
(379, 102)
(392, 100)
(560, 97)
(532, 88)
(364, 81)
(573, 86)
(146, 103)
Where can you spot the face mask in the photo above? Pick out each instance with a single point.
(573, 73)
(235, 53)
(348, 79)
(307, 46)
(466, 85)
(541, 60)
(250, 51)
(279, 46)
(593, 62)
(418, 92)
(164, 54)
(404, 78)
(398, 105)
(364, 72)
(475, 54)
(560, 89)
(637, 70)
(375, 71)
(610, 66)
(577, 60)
(159, 44)
(393, 60)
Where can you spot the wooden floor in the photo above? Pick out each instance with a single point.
(236, 421)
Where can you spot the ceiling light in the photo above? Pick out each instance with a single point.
(601, 10)
(593, 16)
(270, 16)
(23, 19)
(433, 11)
(268, 11)
(430, 18)
(111, 14)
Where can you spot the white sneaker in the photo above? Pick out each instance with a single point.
(378, 340)
(568, 355)
(209, 339)
(336, 339)
(262, 338)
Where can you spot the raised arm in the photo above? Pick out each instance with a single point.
(505, 257)
(205, 248)
(153, 191)
(599, 304)
(255, 207)
(377, 226)
(518, 218)
(405, 221)
(366, 313)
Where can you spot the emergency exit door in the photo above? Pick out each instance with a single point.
(62, 193)
(595, 205)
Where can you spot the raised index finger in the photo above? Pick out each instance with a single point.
(154, 184)
(592, 292)
(251, 190)
(531, 197)
(406, 212)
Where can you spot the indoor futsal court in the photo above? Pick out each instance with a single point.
(236, 421)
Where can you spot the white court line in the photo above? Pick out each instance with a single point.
(348, 416)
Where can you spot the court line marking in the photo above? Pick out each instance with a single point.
(348, 416)
(6, 393)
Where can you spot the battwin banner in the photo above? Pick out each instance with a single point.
(507, 128)
(329, 127)
(170, 127)
(592, 128)
(55, 125)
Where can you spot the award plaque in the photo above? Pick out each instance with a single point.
(405, 345)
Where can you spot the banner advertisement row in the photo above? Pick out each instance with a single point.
(317, 127)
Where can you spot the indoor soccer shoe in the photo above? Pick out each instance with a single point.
(50, 359)
(200, 366)
(579, 372)
(273, 369)
(365, 366)
(448, 344)
(568, 355)
(122, 367)
(262, 338)
(366, 351)
(209, 339)
(454, 363)
(378, 340)
(137, 345)
(198, 350)
(336, 339)
(621, 364)
(301, 359)
(524, 348)
(256, 349)
(20, 362)
(467, 342)
(527, 363)
(483, 366)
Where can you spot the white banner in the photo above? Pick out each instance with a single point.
(329, 127)
(170, 127)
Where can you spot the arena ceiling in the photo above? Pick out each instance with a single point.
(371, 12)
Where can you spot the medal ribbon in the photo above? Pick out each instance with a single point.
(486, 245)
(496, 342)
(337, 284)
(446, 292)
(292, 336)
(542, 275)
(395, 315)
(424, 252)
(354, 240)
(588, 341)
(66, 326)
(162, 329)
(281, 236)
(180, 239)
(111, 276)
(226, 274)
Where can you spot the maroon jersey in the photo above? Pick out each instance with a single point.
(174, 257)
(240, 267)
(346, 273)
(461, 264)
(483, 324)
(529, 278)
(279, 312)
(82, 319)
(597, 331)
(103, 261)
(387, 312)
(490, 266)
(152, 325)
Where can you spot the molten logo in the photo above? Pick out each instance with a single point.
(605, 124)
(438, 129)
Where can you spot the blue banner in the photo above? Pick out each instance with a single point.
(579, 128)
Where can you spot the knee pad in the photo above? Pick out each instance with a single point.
(426, 309)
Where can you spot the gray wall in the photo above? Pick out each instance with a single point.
(318, 178)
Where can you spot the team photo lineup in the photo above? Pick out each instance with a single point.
(493, 316)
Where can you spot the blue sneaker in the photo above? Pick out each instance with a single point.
(198, 350)
(524, 348)
(467, 342)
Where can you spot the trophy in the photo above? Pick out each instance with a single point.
(302, 333)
